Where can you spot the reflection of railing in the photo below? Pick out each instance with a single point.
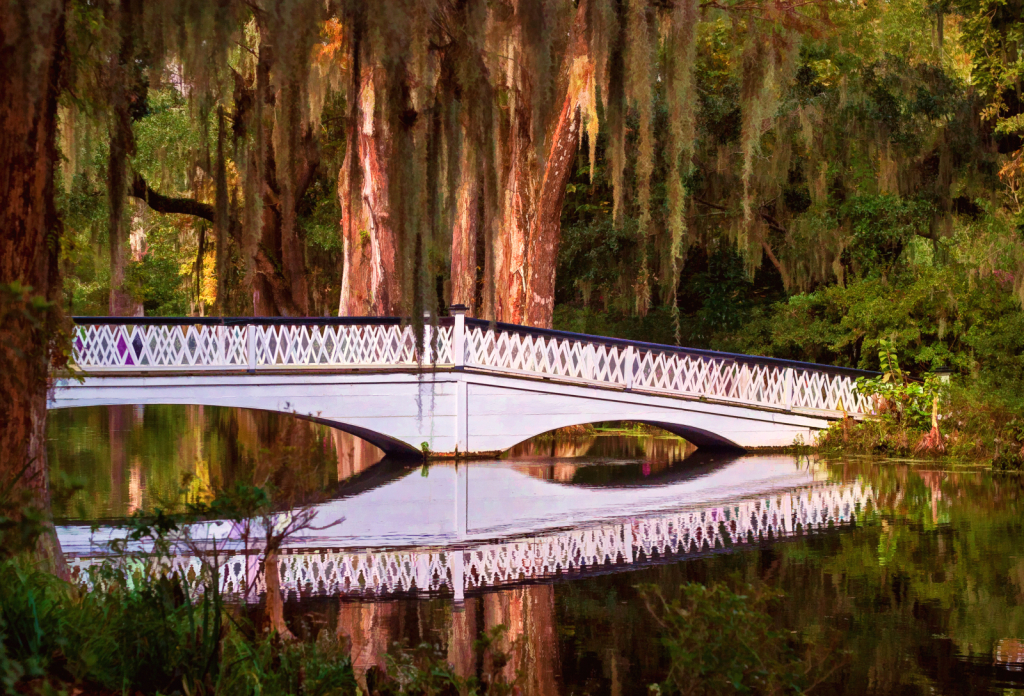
(153, 344)
(609, 546)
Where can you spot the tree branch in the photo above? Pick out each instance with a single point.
(166, 204)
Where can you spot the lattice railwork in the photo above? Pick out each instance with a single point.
(129, 346)
(153, 346)
(811, 388)
(671, 372)
(342, 346)
(528, 354)
(607, 545)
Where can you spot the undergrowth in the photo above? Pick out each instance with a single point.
(930, 419)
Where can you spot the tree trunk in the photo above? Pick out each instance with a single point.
(370, 284)
(277, 261)
(511, 245)
(32, 56)
(356, 292)
(465, 228)
(526, 252)
(122, 146)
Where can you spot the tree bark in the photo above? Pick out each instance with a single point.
(32, 43)
(465, 228)
(526, 250)
(122, 146)
(370, 283)
(278, 275)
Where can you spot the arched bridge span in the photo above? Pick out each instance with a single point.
(468, 386)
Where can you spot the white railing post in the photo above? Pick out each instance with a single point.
(459, 335)
(590, 362)
(222, 357)
(627, 367)
(427, 358)
(250, 337)
(789, 388)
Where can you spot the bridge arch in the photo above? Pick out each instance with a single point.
(696, 436)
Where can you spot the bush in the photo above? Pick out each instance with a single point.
(148, 637)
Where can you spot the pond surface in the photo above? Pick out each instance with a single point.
(915, 569)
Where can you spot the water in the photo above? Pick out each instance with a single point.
(917, 570)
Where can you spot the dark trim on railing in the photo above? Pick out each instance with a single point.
(470, 322)
(239, 321)
(622, 343)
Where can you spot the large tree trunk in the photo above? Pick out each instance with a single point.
(512, 243)
(465, 228)
(278, 274)
(526, 250)
(356, 291)
(370, 284)
(122, 146)
(32, 42)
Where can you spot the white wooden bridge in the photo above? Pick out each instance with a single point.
(468, 387)
(469, 528)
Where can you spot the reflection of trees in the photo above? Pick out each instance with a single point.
(370, 628)
(938, 558)
(354, 455)
(932, 574)
(652, 447)
(603, 460)
(530, 638)
(528, 613)
(131, 457)
(552, 447)
(656, 454)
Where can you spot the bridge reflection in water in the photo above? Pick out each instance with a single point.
(454, 531)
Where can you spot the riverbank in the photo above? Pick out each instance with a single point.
(971, 426)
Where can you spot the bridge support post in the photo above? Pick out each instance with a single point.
(250, 340)
(428, 357)
(461, 415)
(789, 388)
(459, 363)
(459, 335)
(627, 367)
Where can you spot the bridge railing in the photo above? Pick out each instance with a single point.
(636, 366)
(189, 343)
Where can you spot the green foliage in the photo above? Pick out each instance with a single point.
(148, 636)
(908, 402)
(882, 226)
(722, 641)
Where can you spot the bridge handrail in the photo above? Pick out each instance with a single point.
(470, 322)
(197, 343)
(664, 347)
(638, 366)
(210, 343)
